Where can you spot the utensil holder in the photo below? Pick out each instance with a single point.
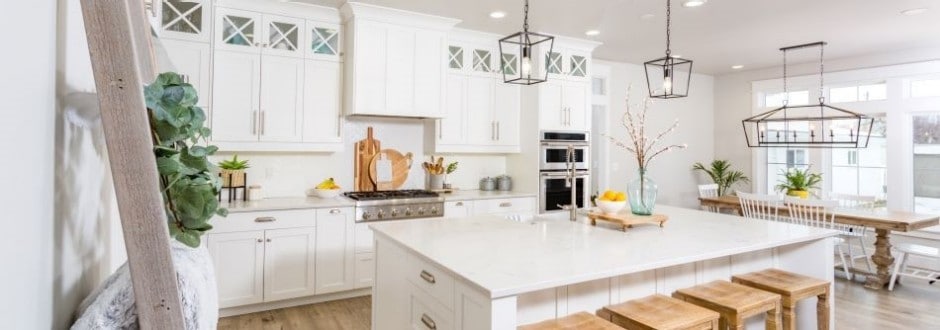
(435, 181)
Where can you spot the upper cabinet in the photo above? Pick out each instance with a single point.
(395, 62)
(323, 41)
(567, 64)
(182, 19)
(253, 32)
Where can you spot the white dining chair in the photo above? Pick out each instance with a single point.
(757, 206)
(901, 268)
(819, 214)
(708, 190)
(854, 233)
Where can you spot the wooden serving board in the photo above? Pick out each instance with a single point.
(626, 219)
(401, 164)
(365, 150)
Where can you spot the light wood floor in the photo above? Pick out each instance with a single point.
(914, 305)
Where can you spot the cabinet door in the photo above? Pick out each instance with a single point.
(458, 209)
(236, 82)
(552, 111)
(578, 65)
(283, 36)
(364, 238)
(370, 73)
(323, 41)
(365, 270)
(428, 73)
(238, 259)
(192, 60)
(483, 62)
(289, 263)
(555, 64)
(183, 19)
(456, 57)
(506, 110)
(238, 30)
(481, 127)
(322, 81)
(282, 80)
(577, 103)
(400, 89)
(334, 264)
(452, 127)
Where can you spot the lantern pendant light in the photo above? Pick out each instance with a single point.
(668, 77)
(518, 55)
(810, 125)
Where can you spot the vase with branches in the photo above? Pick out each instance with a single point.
(642, 191)
(722, 175)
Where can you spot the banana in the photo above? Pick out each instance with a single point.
(328, 184)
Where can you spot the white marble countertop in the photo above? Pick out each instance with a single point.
(294, 203)
(505, 258)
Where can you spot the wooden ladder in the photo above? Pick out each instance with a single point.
(122, 60)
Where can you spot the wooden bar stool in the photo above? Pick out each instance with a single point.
(793, 288)
(581, 320)
(734, 302)
(659, 312)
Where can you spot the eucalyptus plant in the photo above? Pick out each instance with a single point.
(190, 182)
(721, 173)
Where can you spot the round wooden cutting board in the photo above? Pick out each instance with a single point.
(401, 164)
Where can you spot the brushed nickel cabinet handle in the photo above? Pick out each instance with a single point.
(505, 204)
(262, 122)
(268, 240)
(335, 211)
(497, 131)
(254, 122)
(260, 240)
(428, 322)
(459, 204)
(427, 277)
(265, 219)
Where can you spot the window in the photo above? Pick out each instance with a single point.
(862, 171)
(861, 93)
(599, 86)
(926, 136)
(796, 98)
(925, 88)
(779, 160)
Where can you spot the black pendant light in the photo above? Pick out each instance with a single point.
(807, 126)
(668, 77)
(518, 55)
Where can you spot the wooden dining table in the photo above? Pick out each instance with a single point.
(883, 221)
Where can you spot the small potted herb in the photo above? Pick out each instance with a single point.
(233, 172)
(798, 183)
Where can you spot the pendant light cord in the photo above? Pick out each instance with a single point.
(668, 23)
(822, 99)
(786, 91)
(525, 19)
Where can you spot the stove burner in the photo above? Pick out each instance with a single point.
(390, 194)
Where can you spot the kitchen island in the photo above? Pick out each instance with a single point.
(491, 273)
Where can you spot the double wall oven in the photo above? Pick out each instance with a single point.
(554, 185)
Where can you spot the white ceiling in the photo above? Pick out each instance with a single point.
(715, 36)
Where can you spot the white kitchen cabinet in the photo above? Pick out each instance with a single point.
(183, 19)
(192, 60)
(236, 94)
(281, 102)
(289, 263)
(517, 208)
(480, 124)
(322, 122)
(507, 105)
(238, 30)
(563, 105)
(458, 209)
(429, 73)
(238, 259)
(452, 128)
(364, 268)
(335, 244)
(323, 41)
(283, 36)
(578, 102)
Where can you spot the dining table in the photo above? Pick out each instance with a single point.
(881, 220)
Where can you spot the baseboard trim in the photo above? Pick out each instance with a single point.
(239, 310)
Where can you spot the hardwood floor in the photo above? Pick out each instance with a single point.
(913, 305)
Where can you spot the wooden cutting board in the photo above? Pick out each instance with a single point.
(401, 164)
(626, 219)
(365, 150)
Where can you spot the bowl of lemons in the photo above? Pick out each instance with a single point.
(611, 201)
(326, 189)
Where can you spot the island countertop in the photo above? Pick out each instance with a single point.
(505, 258)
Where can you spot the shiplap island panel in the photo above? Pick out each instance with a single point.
(487, 272)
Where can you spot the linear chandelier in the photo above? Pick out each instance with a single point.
(807, 126)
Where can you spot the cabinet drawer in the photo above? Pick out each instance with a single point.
(426, 313)
(363, 238)
(244, 221)
(505, 205)
(458, 209)
(433, 280)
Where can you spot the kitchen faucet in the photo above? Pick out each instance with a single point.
(571, 182)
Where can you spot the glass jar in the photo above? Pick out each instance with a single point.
(642, 194)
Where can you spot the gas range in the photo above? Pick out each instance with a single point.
(396, 205)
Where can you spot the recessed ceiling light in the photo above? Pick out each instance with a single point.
(592, 32)
(693, 3)
(737, 67)
(647, 16)
(913, 11)
(498, 14)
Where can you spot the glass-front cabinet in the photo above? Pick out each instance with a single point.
(238, 30)
(283, 36)
(482, 61)
(183, 19)
(577, 66)
(509, 64)
(323, 41)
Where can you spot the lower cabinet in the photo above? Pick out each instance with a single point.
(289, 263)
(239, 266)
(334, 242)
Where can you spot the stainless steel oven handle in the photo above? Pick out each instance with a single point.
(576, 144)
(563, 175)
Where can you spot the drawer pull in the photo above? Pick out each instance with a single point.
(505, 204)
(427, 277)
(265, 219)
(459, 204)
(335, 211)
(428, 322)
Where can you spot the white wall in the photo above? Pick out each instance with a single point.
(27, 139)
(672, 171)
(291, 174)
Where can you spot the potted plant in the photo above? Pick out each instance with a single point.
(798, 182)
(233, 172)
(721, 173)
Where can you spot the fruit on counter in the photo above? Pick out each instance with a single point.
(328, 184)
(613, 196)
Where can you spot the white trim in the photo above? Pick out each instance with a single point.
(239, 310)
(602, 173)
(359, 10)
